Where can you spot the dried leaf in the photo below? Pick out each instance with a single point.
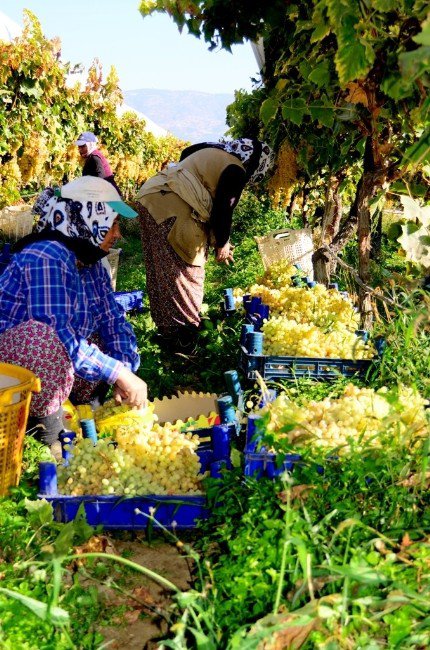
(144, 595)
(356, 94)
(131, 616)
(296, 492)
(291, 637)
(406, 541)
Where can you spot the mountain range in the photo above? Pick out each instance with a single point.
(189, 115)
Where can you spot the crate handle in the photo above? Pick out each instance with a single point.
(281, 235)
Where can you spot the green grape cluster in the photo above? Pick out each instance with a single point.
(360, 417)
(136, 460)
(283, 337)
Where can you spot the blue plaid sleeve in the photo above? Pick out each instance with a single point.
(117, 334)
(54, 298)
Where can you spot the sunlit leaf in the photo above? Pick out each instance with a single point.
(268, 109)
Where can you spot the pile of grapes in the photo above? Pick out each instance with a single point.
(133, 456)
(359, 418)
(308, 322)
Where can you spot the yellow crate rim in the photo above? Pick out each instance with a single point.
(27, 381)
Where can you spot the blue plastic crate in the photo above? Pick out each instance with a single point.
(125, 513)
(278, 367)
(263, 464)
(130, 300)
(114, 512)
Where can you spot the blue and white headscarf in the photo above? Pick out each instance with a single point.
(247, 150)
(75, 219)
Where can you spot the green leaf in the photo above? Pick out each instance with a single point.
(320, 75)
(203, 642)
(394, 231)
(57, 615)
(268, 109)
(64, 540)
(415, 63)
(419, 152)
(295, 110)
(352, 63)
(40, 512)
(423, 38)
(305, 68)
(323, 113)
(321, 31)
(396, 87)
(385, 5)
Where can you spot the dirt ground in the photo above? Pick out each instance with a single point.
(143, 603)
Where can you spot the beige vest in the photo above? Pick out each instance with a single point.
(195, 179)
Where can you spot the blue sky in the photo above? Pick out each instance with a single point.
(147, 53)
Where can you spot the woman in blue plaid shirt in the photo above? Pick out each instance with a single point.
(56, 299)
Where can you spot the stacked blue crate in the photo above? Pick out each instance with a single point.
(134, 513)
(130, 301)
(259, 462)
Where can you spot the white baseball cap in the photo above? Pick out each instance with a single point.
(95, 189)
(85, 138)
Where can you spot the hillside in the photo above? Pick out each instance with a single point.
(189, 115)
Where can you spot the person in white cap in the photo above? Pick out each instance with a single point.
(56, 296)
(95, 163)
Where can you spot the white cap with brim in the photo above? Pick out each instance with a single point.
(92, 188)
(85, 138)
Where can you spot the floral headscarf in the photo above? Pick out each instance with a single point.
(247, 150)
(75, 219)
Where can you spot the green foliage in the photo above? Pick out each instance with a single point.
(41, 115)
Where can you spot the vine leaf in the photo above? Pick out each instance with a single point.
(416, 244)
(323, 113)
(295, 110)
(268, 109)
(351, 62)
(413, 211)
(320, 75)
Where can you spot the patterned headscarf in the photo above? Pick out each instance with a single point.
(257, 157)
(75, 219)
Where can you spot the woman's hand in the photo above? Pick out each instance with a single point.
(129, 388)
(225, 254)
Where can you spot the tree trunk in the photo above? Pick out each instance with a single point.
(331, 222)
(341, 236)
(364, 246)
(289, 212)
(305, 195)
(376, 238)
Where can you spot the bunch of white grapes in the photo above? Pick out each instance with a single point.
(360, 417)
(137, 456)
(278, 275)
(316, 305)
(283, 337)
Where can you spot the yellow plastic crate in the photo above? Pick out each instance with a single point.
(16, 386)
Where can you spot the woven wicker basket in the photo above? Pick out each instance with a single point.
(296, 246)
(16, 221)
